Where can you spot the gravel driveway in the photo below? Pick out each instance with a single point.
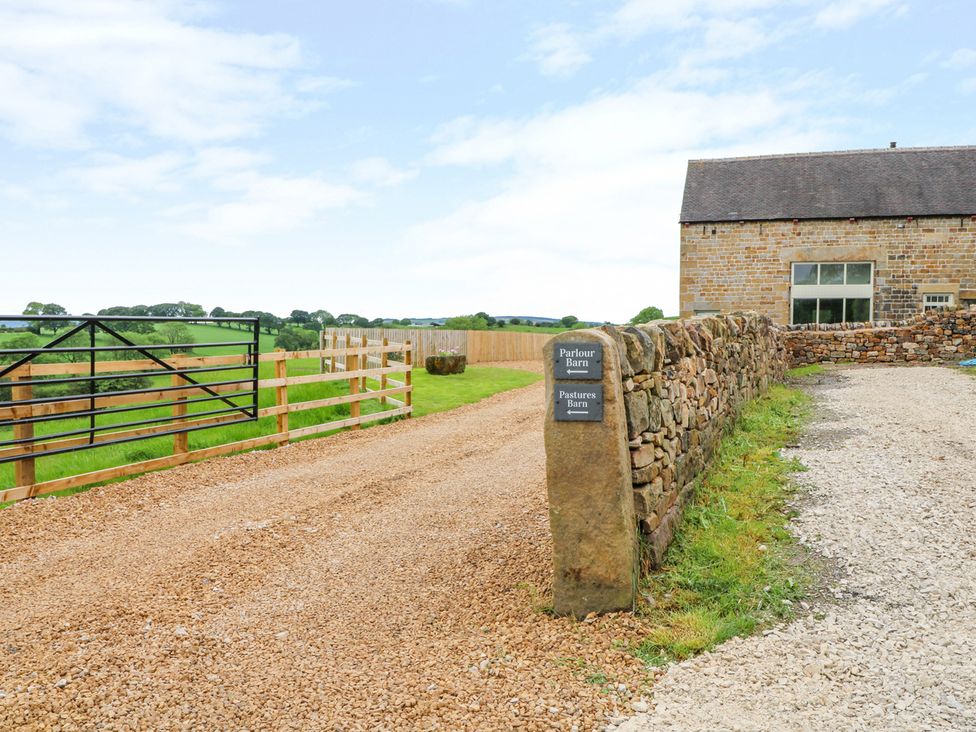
(892, 480)
(385, 579)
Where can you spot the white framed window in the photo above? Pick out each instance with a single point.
(831, 292)
(932, 300)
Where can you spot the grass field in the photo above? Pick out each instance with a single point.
(431, 394)
(733, 567)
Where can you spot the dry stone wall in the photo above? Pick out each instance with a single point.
(684, 382)
(938, 336)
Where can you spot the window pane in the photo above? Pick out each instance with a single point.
(804, 274)
(858, 310)
(859, 274)
(804, 311)
(831, 311)
(831, 274)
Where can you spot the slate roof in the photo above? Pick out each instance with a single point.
(906, 181)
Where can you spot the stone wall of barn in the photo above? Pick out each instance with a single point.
(735, 266)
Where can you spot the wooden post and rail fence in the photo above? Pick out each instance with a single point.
(354, 361)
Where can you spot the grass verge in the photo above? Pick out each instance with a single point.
(812, 369)
(733, 567)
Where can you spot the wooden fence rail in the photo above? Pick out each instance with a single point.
(349, 362)
(480, 346)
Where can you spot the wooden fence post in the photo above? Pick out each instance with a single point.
(352, 364)
(321, 347)
(384, 362)
(24, 470)
(281, 396)
(181, 440)
(408, 378)
(335, 346)
(365, 362)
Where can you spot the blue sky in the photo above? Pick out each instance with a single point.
(426, 157)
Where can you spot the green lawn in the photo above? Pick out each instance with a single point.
(440, 393)
(733, 567)
(431, 394)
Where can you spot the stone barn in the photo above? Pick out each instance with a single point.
(830, 237)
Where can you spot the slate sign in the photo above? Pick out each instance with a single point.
(578, 402)
(579, 360)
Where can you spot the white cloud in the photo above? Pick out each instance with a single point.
(151, 67)
(845, 13)
(212, 162)
(264, 205)
(379, 171)
(599, 182)
(710, 30)
(114, 174)
(962, 58)
(557, 50)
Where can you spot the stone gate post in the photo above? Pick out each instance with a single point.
(591, 504)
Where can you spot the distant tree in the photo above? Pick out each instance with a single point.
(191, 310)
(467, 322)
(346, 319)
(300, 317)
(500, 323)
(361, 322)
(376, 323)
(517, 321)
(174, 333)
(292, 338)
(179, 309)
(487, 318)
(324, 318)
(647, 315)
(52, 308)
(569, 321)
(406, 321)
(269, 321)
(540, 324)
(164, 310)
(129, 326)
(218, 312)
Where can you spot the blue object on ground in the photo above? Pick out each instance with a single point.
(970, 362)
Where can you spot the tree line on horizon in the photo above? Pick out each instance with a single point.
(298, 331)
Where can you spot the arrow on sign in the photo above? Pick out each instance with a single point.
(570, 411)
(575, 371)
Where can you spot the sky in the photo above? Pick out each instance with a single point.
(426, 158)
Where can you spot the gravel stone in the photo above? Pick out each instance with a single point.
(891, 469)
(430, 555)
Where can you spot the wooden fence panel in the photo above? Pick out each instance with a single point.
(480, 346)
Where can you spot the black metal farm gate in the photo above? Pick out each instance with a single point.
(97, 388)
